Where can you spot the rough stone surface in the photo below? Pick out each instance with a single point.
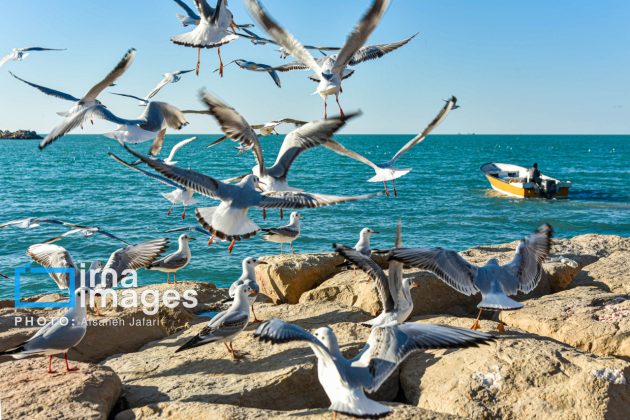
(276, 377)
(28, 392)
(118, 330)
(198, 410)
(583, 317)
(520, 376)
(611, 273)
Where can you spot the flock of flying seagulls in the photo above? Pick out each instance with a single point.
(266, 186)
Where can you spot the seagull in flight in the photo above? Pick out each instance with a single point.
(386, 171)
(305, 137)
(495, 282)
(331, 71)
(229, 220)
(88, 107)
(19, 54)
(86, 231)
(173, 77)
(346, 381)
(251, 66)
(210, 32)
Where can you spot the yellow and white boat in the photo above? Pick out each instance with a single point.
(512, 180)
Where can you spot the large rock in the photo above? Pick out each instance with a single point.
(286, 277)
(118, 330)
(198, 410)
(275, 377)
(521, 375)
(28, 392)
(611, 273)
(584, 317)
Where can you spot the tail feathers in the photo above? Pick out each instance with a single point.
(388, 174)
(16, 350)
(359, 406)
(196, 341)
(498, 302)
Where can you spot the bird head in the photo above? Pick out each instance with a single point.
(327, 337)
(367, 232)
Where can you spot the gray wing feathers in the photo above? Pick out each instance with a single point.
(372, 52)
(134, 257)
(526, 265)
(49, 91)
(53, 256)
(118, 71)
(299, 200)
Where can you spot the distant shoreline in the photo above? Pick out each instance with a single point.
(19, 135)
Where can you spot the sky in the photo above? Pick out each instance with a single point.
(517, 67)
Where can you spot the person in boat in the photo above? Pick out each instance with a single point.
(534, 175)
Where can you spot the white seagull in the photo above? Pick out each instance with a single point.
(211, 32)
(226, 325)
(229, 220)
(248, 277)
(393, 290)
(305, 137)
(345, 381)
(251, 66)
(495, 282)
(331, 71)
(173, 77)
(174, 262)
(86, 231)
(180, 195)
(386, 171)
(19, 54)
(283, 234)
(58, 335)
(88, 107)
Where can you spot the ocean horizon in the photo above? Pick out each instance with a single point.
(444, 201)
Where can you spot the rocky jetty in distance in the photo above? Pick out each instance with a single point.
(19, 135)
(565, 355)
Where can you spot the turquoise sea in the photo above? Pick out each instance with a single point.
(445, 201)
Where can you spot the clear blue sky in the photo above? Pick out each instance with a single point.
(535, 66)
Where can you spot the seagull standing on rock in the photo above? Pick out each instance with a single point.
(248, 277)
(345, 381)
(174, 262)
(495, 282)
(226, 325)
(57, 336)
(287, 233)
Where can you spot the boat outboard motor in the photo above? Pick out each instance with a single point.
(548, 188)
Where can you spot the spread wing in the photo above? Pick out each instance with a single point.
(53, 256)
(360, 34)
(178, 146)
(432, 125)
(234, 126)
(118, 71)
(160, 115)
(147, 173)
(165, 81)
(205, 10)
(367, 265)
(48, 91)
(448, 265)
(134, 257)
(303, 138)
(387, 347)
(190, 12)
(341, 150)
(526, 265)
(282, 37)
(372, 52)
(196, 181)
(300, 200)
(276, 331)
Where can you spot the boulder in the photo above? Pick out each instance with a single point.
(198, 410)
(90, 392)
(118, 330)
(287, 276)
(583, 317)
(520, 375)
(610, 273)
(273, 377)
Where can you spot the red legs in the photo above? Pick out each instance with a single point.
(281, 214)
(211, 240)
(394, 185)
(220, 62)
(325, 109)
(501, 326)
(170, 210)
(476, 325)
(256, 320)
(386, 190)
(175, 277)
(68, 368)
(198, 61)
(184, 213)
(168, 278)
(264, 214)
(231, 247)
(340, 109)
(50, 364)
(292, 250)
